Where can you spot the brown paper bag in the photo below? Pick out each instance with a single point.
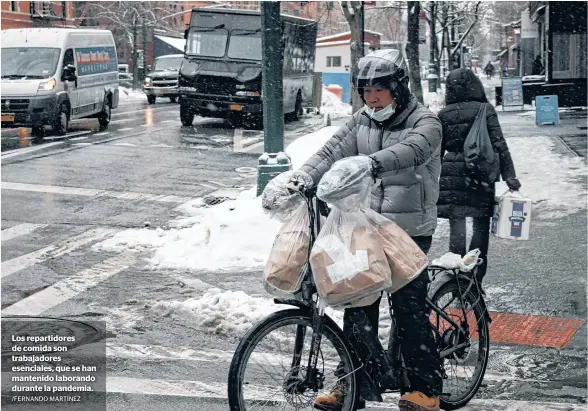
(354, 273)
(404, 256)
(284, 270)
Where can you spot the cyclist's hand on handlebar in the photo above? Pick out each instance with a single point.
(299, 182)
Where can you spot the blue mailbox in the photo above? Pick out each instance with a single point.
(546, 110)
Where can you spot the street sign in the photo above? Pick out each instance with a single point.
(512, 92)
(546, 110)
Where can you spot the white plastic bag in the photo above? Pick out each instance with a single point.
(453, 261)
(285, 268)
(348, 184)
(277, 201)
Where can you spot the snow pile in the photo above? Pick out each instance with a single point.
(216, 238)
(232, 313)
(302, 149)
(331, 104)
(556, 186)
(128, 94)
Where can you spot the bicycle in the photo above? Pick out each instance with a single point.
(301, 378)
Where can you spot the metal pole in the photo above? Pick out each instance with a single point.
(362, 28)
(144, 74)
(432, 76)
(273, 161)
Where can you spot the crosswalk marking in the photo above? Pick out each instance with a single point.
(90, 192)
(18, 230)
(19, 263)
(63, 290)
(26, 150)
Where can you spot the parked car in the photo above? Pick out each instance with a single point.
(162, 80)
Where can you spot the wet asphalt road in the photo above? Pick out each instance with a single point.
(75, 191)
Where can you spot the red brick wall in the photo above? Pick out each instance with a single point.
(17, 14)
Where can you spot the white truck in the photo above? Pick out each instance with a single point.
(53, 75)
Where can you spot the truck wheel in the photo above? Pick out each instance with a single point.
(173, 99)
(151, 99)
(61, 122)
(186, 115)
(104, 116)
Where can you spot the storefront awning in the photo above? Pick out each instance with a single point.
(174, 42)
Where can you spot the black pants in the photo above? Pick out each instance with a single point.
(480, 239)
(360, 326)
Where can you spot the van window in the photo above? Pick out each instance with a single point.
(245, 44)
(68, 58)
(207, 42)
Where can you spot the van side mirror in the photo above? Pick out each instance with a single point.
(186, 33)
(69, 73)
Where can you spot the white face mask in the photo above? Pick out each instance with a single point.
(383, 114)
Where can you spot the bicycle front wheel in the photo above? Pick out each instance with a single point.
(464, 349)
(270, 365)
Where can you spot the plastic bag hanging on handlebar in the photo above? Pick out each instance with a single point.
(277, 201)
(348, 184)
(286, 266)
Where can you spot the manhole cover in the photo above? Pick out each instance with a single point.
(47, 327)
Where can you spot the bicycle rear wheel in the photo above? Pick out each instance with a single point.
(271, 361)
(464, 350)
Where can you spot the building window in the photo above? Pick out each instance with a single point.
(333, 61)
(14, 6)
(569, 55)
(46, 8)
(296, 12)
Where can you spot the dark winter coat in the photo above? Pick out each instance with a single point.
(464, 96)
(407, 147)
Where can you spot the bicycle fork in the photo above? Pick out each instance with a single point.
(311, 377)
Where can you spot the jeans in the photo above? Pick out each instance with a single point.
(480, 239)
(360, 327)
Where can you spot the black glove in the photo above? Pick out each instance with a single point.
(513, 184)
(375, 167)
(299, 181)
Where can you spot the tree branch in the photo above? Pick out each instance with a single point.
(458, 45)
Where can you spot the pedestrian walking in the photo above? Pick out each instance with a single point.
(458, 199)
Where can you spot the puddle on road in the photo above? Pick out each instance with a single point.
(148, 116)
(21, 137)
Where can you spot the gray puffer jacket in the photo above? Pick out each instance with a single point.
(407, 147)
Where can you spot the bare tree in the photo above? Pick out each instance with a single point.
(352, 12)
(125, 19)
(412, 49)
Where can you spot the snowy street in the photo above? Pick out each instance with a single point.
(154, 228)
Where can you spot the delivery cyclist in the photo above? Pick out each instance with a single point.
(403, 138)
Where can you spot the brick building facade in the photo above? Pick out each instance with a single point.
(22, 14)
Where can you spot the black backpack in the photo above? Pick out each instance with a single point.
(481, 161)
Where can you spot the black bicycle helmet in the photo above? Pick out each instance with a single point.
(386, 68)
